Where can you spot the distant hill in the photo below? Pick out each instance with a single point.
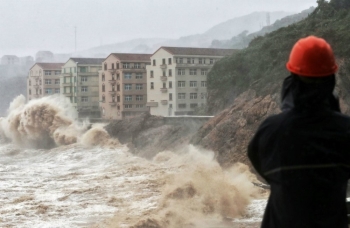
(251, 22)
(261, 66)
(242, 40)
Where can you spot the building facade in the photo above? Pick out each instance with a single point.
(79, 83)
(123, 82)
(9, 60)
(177, 79)
(43, 80)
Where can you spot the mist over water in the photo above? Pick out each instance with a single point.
(57, 172)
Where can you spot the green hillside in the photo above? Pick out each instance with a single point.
(261, 65)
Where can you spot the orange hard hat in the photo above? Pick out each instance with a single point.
(312, 57)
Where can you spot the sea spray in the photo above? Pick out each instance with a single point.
(48, 122)
(199, 190)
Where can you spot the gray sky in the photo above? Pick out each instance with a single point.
(27, 26)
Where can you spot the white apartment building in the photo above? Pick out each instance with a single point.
(177, 79)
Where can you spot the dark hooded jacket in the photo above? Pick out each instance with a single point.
(304, 154)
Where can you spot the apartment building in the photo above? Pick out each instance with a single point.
(43, 80)
(79, 83)
(177, 79)
(123, 82)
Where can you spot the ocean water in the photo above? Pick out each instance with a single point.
(90, 180)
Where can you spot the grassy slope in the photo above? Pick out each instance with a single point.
(262, 64)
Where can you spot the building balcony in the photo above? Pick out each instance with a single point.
(67, 83)
(142, 69)
(113, 103)
(164, 102)
(152, 104)
(163, 78)
(163, 66)
(164, 90)
(112, 92)
(113, 81)
(68, 94)
(112, 70)
(36, 86)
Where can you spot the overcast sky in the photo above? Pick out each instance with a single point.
(28, 26)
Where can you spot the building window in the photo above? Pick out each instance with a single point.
(118, 77)
(154, 62)
(139, 106)
(128, 98)
(181, 84)
(139, 97)
(170, 84)
(204, 72)
(118, 98)
(201, 61)
(170, 105)
(139, 86)
(84, 89)
(48, 91)
(195, 105)
(57, 81)
(113, 98)
(139, 75)
(127, 76)
(47, 72)
(152, 74)
(112, 66)
(128, 106)
(164, 85)
(57, 72)
(188, 60)
(29, 91)
(84, 99)
(113, 88)
(203, 83)
(193, 83)
(164, 74)
(169, 61)
(170, 72)
(105, 66)
(211, 61)
(57, 90)
(182, 105)
(118, 87)
(47, 81)
(84, 79)
(103, 87)
(126, 65)
(193, 95)
(40, 82)
(180, 71)
(30, 82)
(127, 86)
(152, 85)
(170, 96)
(103, 77)
(103, 98)
(137, 65)
(193, 71)
(113, 77)
(192, 60)
(117, 65)
(181, 96)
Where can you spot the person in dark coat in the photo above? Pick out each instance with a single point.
(303, 153)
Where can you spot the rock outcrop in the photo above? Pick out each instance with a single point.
(146, 135)
(229, 132)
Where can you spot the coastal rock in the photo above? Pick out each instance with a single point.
(229, 132)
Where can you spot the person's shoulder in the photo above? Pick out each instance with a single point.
(274, 120)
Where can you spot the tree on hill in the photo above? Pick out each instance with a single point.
(261, 66)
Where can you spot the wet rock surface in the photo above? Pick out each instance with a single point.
(146, 135)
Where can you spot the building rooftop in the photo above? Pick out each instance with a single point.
(50, 66)
(199, 51)
(133, 57)
(88, 60)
